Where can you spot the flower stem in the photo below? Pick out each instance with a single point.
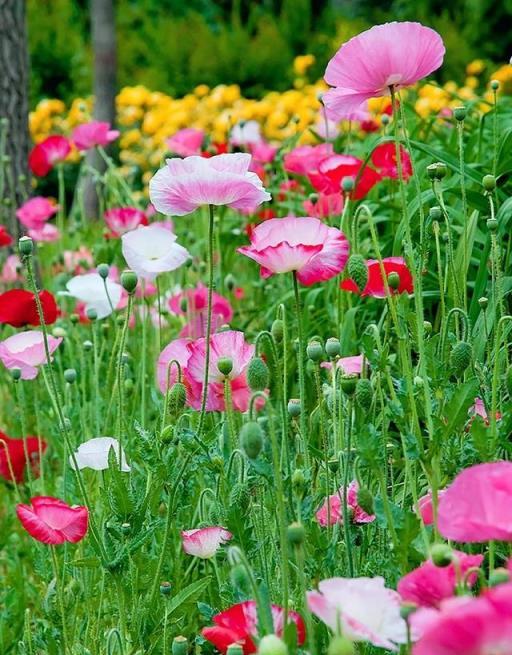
(302, 375)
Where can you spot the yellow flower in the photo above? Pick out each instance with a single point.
(302, 63)
(475, 67)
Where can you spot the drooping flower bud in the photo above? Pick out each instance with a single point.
(177, 399)
(461, 356)
(358, 270)
(277, 330)
(258, 374)
(364, 394)
(251, 439)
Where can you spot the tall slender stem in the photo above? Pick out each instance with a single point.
(302, 374)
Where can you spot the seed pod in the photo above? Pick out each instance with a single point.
(393, 280)
(294, 407)
(461, 356)
(314, 351)
(258, 374)
(179, 645)
(347, 184)
(103, 270)
(296, 534)
(332, 347)
(235, 649)
(348, 384)
(407, 609)
(441, 554)
(365, 500)
(251, 438)
(364, 394)
(129, 280)
(435, 213)
(489, 182)
(460, 113)
(358, 270)
(165, 588)
(225, 365)
(26, 246)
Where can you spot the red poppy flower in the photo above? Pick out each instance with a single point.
(13, 459)
(332, 170)
(18, 308)
(375, 285)
(215, 149)
(384, 160)
(239, 624)
(5, 237)
(52, 521)
(45, 155)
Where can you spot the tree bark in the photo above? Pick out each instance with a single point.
(103, 36)
(14, 131)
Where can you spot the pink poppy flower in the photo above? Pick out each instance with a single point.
(325, 128)
(364, 608)
(204, 542)
(375, 285)
(43, 156)
(25, 350)
(186, 184)
(352, 365)
(306, 159)
(34, 213)
(478, 409)
(11, 269)
(468, 626)
(429, 584)
(331, 172)
(176, 350)
(327, 205)
(124, 219)
(95, 133)
(18, 454)
(333, 508)
(239, 624)
(46, 233)
(52, 521)
(78, 261)
(288, 189)
(384, 160)
(186, 142)
(394, 54)
(262, 152)
(426, 508)
(150, 250)
(193, 303)
(314, 250)
(477, 506)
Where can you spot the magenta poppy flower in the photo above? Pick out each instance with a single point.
(363, 608)
(327, 205)
(477, 506)
(186, 142)
(306, 159)
(331, 511)
(204, 542)
(186, 184)
(239, 624)
(52, 521)
(467, 625)
(92, 134)
(43, 156)
(426, 507)
(25, 350)
(375, 285)
(429, 584)
(124, 219)
(193, 303)
(384, 160)
(394, 54)
(17, 454)
(177, 350)
(34, 213)
(314, 250)
(331, 172)
(152, 249)
(262, 152)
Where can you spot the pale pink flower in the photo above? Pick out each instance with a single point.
(92, 134)
(193, 303)
(204, 542)
(11, 269)
(34, 212)
(331, 511)
(467, 626)
(429, 584)
(306, 159)
(477, 506)
(152, 250)
(262, 152)
(46, 232)
(25, 350)
(394, 54)
(426, 507)
(325, 206)
(124, 219)
(177, 350)
(352, 365)
(363, 608)
(78, 261)
(325, 128)
(183, 185)
(314, 250)
(186, 142)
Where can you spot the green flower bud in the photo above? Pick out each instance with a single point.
(87, 346)
(461, 356)
(129, 281)
(314, 351)
(296, 534)
(103, 271)
(74, 318)
(436, 171)
(348, 384)
(495, 85)
(59, 332)
(347, 184)
(460, 113)
(489, 182)
(15, 373)
(364, 394)
(358, 270)
(483, 302)
(25, 246)
(165, 590)
(384, 119)
(435, 213)
(441, 554)
(70, 375)
(91, 313)
(407, 610)
(277, 330)
(225, 365)
(340, 645)
(365, 500)
(177, 399)
(393, 280)
(126, 528)
(240, 579)
(251, 438)
(498, 576)
(272, 645)
(294, 407)
(258, 374)
(332, 347)
(229, 281)
(298, 483)
(184, 304)
(492, 224)
(179, 646)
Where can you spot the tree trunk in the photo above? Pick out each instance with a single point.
(103, 35)
(14, 132)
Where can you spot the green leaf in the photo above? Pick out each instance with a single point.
(456, 411)
(187, 594)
